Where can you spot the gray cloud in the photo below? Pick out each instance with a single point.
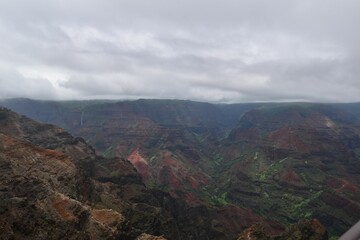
(13, 83)
(227, 51)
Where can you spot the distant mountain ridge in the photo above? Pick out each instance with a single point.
(259, 156)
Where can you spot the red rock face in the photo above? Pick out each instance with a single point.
(69, 192)
(279, 160)
(289, 176)
(140, 164)
(178, 178)
(345, 185)
(288, 138)
(39, 183)
(303, 157)
(236, 219)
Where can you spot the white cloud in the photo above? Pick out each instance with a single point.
(233, 50)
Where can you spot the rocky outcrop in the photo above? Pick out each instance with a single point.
(39, 198)
(280, 162)
(304, 230)
(54, 186)
(40, 188)
(171, 137)
(295, 163)
(146, 236)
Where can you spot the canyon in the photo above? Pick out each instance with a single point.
(182, 169)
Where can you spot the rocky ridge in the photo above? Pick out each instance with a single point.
(306, 154)
(54, 186)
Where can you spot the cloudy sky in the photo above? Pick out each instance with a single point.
(206, 50)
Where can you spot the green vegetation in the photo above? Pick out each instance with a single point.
(214, 198)
(305, 178)
(275, 167)
(152, 160)
(3, 114)
(276, 109)
(114, 174)
(82, 105)
(229, 163)
(262, 176)
(151, 183)
(299, 210)
(218, 200)
(108, 153)
(216, 160)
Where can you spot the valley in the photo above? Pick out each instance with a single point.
(232, 164)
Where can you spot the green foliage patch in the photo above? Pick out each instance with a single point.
(218, 200)
(108, 153)
(275, 167)
(3, 114)
(299, 210)
(214, 198)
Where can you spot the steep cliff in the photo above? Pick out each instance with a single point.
(234, 165)
(54, 186)
(291, 162)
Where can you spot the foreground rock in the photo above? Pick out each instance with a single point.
(42, 190)
(304, 230)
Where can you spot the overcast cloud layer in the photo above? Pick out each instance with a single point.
(207, 50)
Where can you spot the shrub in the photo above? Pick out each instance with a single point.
(3, 114)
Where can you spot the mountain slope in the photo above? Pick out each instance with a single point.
(306, 155)
(278, 162)
(42, 192)
(54, 186)
(166, 141)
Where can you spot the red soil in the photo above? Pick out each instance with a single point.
(140, 164)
